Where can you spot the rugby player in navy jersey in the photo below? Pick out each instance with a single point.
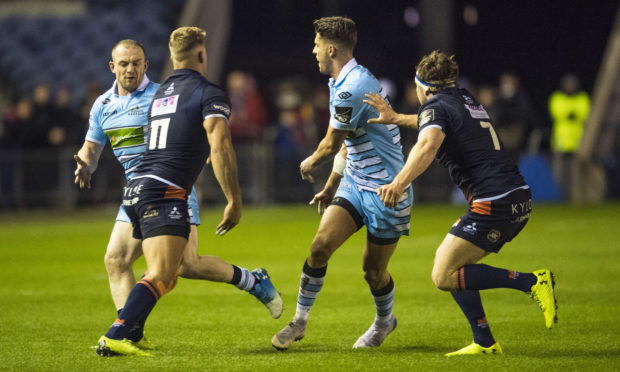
(120, 116)
(455, 128)
(188, 117)
(373, 158)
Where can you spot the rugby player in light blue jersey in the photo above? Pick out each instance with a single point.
(120, 116)
(373, 156)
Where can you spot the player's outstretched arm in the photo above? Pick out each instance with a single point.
(328, 146)
(87, 159)
(420, 157)
(387, 115)
(224, 162)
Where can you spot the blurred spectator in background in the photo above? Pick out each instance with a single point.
(486, 97)
(295, 134)
(15, 121)
(321, 114)
(66, 124)
(42, 117)
(512, 110)
(408, 105)
(92, 92)
(569, 108)
(248, 118)
(19, 126)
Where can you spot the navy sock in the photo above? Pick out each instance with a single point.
(471, 305)
(480, 276)
(236, 275)
(140, 302)
(314, 272)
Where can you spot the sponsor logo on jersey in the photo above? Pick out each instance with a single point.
(345, 95)
(135, 111)
(222, 108)
(494, 235)
(343, 114)
(426, 117)
(105, 101)
(166, 105)
(477, 112)
(125, 137)
(169, 90)
(109, 113)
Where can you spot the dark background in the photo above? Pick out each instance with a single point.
(539, 40)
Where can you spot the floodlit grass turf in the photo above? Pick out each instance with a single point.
(55, 302)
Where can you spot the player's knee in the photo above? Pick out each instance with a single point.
(163, 284)
(190, 269)
(441, 280)
(373, 278)
(115, 262)
(320, 252)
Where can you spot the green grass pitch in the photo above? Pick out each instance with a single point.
(55, 302)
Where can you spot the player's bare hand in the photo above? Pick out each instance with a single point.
(82, 173)
(322, 200)
(306, 168)
(390, 194)
(232, 216)
(386, 113)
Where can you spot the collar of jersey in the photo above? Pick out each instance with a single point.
(182, 71)
(343, 73)
(141, 87)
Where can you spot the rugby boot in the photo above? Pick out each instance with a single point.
(475, 349)
(265, 292)
(294, 331)
(543, 293)
(376, 334)
(110, 347)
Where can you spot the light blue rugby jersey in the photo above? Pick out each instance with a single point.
(123, 121)
(374, 151)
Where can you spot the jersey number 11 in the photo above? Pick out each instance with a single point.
(159, 133)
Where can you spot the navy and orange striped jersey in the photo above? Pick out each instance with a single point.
(177, 145)
(472, 152)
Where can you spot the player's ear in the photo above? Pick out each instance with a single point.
(146, 65)
(201, 56)
(111, 64)
(331, 51)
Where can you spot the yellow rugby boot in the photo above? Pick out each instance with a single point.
(475, 349)
(542, 292)
(111, 347)
(144, 344)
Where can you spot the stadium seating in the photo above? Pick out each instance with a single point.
(72, 51)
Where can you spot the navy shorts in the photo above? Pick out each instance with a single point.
(156, 208)
(489, 224)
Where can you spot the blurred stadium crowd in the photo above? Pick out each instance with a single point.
(52, 69)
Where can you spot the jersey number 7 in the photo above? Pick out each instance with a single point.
(486, 124)
(159, 134)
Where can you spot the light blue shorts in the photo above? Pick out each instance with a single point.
(381, 222)
(192, 204)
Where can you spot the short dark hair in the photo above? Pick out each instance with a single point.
(438, 70)
(129, 42)
(340, 30)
